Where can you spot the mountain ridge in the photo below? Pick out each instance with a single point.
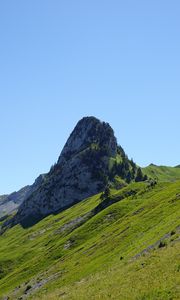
(10, 203)
(162, 173)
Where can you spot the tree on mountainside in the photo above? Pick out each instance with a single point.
(139, 175)
(129, 177)
(105, 194)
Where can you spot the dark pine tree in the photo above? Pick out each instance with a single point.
(139, 175)
(105, 194)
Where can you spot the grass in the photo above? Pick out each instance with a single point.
(162, 173)
(154, 276)
(78, 255)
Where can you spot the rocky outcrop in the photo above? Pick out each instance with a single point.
(10, 203)
(82, 170)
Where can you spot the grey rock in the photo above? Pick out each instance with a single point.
(10, 203)
(82, 170)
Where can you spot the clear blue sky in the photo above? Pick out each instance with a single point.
(62, 60)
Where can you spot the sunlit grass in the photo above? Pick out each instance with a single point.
(93, 260)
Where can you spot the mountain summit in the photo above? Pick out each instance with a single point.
(88, 162)
(89, 131)
(81, 171)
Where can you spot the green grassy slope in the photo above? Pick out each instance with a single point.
(111, 254)
(154, 276)
(162, 173)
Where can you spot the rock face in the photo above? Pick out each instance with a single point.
(82, 170)
(10, 203)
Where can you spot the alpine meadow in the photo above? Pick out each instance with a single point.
(96, 226)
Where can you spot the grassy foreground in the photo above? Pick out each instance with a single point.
(128, 250)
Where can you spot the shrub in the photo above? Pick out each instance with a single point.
(162, 244)
(28, 287)
(173, 232)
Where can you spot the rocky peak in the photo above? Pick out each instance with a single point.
(89, 131)
(82, 170)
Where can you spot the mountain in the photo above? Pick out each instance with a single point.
(121, 241)
(88, 162)
(10, 203)
(162, 173)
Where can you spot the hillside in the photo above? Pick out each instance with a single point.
(96, 226)
(126, 249)
(162, 173)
